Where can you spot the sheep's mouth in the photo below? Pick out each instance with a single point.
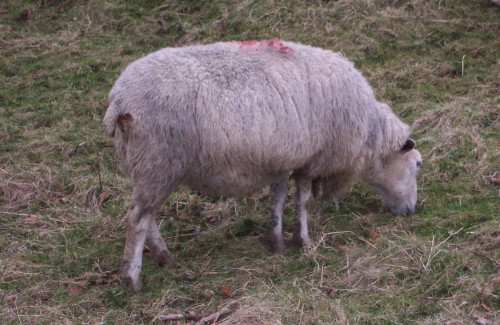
(408, 209)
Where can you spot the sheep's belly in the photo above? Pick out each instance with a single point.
(231, 184)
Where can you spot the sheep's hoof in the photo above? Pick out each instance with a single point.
(276, 243)
(303, 241)
(164, 258)
(278, 247)
(132, 284)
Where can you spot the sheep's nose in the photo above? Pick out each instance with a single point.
(409, 209)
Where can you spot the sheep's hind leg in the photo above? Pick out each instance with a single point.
(279, 192)
(139, 224)
(301, 235)
(159, 251)
(142, 227)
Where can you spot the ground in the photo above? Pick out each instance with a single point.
(63, 202)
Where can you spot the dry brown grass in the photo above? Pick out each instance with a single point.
(444, 129)
(63, 204)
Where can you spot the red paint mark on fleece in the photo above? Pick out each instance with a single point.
(248, 43)
(263, 44)
(277, 44)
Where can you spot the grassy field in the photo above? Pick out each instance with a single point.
(63, 202)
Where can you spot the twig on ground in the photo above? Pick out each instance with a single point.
(171, 317)
(210, 319)
(434, 252)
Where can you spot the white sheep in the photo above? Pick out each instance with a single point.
(230, 118)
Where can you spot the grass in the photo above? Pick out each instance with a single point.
(63, 204)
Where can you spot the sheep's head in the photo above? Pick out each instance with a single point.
(395, 178)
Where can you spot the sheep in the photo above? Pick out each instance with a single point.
(233, 117)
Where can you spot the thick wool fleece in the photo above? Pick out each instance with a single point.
(229, 118)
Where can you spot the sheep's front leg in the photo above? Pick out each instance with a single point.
(139, 225)
(159, 251)
(279, 192)
(303, 195)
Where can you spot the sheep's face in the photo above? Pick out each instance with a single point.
(395, 179)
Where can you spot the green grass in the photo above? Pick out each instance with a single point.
(63, 202)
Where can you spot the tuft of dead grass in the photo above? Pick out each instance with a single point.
(257, 313)
(444, 128)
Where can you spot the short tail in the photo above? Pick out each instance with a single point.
(117, 125)
(111, 119)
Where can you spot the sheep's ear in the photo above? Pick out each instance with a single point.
(409, 145)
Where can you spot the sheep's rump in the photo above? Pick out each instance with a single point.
(228, 118)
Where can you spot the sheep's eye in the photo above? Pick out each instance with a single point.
(419, 163)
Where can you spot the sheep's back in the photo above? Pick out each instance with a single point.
(234, 109)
